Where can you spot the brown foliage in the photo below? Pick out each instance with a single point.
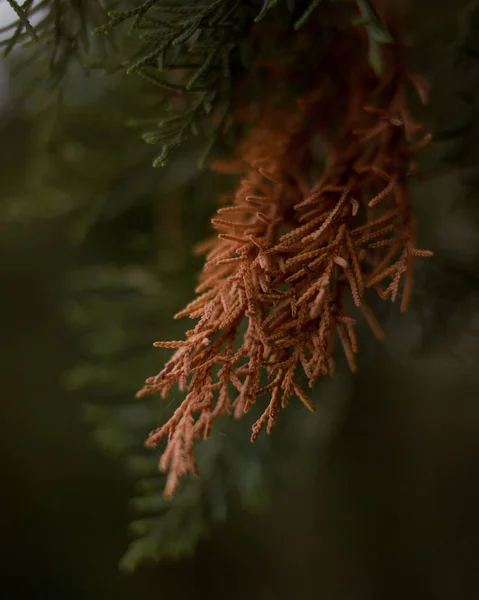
(322, 213)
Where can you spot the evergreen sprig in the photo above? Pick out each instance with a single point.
(55, 32)
(188, 51)
(24, 23)
(161, 528)
(170, 529)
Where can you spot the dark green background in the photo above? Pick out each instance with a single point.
(383, 504)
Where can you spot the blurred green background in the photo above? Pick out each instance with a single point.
(375, 496)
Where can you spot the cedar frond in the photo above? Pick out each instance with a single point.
(300, 248)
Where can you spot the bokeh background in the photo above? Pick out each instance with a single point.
(375, 496)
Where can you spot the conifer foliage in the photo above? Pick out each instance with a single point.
(319, 225)
(322, 213)
(56, 32)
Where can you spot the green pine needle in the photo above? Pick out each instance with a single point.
(303, 19)
(24, 19)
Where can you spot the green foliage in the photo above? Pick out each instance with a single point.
(306, 14)
(231, 471)
(377, 32)
(194, 53)
(23, 24)
(184, 49)
(51, 34)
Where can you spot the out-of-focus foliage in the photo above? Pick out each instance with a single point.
(53, 34)
(133, 231)
(193, 53)
(451, 280)
(114, 311)
(115, 308)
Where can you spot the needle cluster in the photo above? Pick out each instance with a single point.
(322, 213)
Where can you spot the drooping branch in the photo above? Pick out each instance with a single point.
(303, 238)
